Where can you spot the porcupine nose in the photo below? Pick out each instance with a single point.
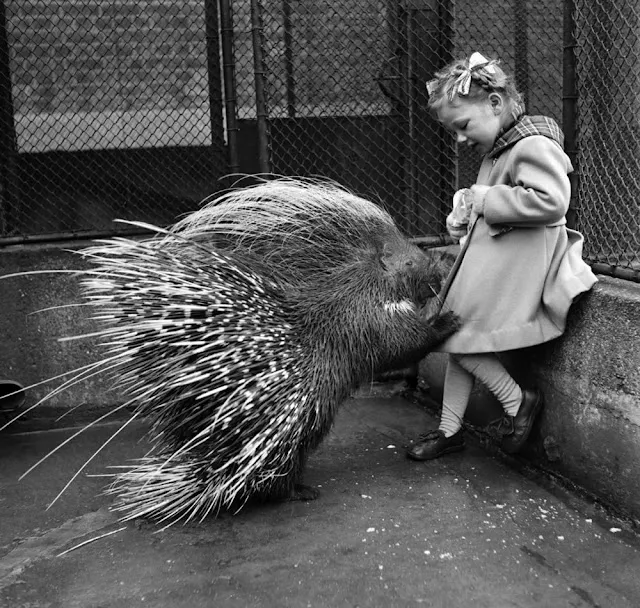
(430, 283)
(419, 271)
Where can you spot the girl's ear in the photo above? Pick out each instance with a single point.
(497, 103)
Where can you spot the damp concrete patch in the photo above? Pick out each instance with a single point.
(51, 543)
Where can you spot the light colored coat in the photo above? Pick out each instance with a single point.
(523, 267)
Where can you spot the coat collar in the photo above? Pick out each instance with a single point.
(524, 127)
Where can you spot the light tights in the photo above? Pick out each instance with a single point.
(458, 383)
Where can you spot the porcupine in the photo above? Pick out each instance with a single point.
(239, 332)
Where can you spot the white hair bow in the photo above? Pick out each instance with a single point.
(463, 82)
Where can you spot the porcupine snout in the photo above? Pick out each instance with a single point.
(418, 275)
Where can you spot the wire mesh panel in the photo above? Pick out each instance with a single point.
(109, 110)
(344, 97)
(608, 63)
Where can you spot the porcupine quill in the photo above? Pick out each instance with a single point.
(239, 332)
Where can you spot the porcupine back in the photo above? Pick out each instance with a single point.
(241, 331)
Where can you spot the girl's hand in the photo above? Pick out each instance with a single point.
(478, 193)
(458, 219)
(455, 229)
(462, 204)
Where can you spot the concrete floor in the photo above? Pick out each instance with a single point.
(466, 530)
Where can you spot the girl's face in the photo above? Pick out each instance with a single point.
(475, 122)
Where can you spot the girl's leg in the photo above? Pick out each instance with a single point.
(457, 388)
(489, 370)
(521, 406)
(458, 384)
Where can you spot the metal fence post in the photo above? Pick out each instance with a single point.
(570, 104)
(7, 132)
(288, 59)
(229, 78)
(261, 98)
(446, 48)
(216, 115)
(521, 45)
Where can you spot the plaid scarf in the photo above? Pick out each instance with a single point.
(524, 127)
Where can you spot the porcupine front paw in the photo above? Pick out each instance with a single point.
(282, 493)
(445, 324)
(302, 492)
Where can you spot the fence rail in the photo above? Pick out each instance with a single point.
(139, 109)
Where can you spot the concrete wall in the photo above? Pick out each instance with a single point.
(589, 431)
(30, 350)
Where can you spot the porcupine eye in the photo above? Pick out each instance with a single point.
(391, 259)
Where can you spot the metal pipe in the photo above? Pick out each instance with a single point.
(229, 79)
(261, 98)
(570, 105)
(12, 396)
(71, 235)
(412, 203)
(434, 240)
(628, 274)
(288, 59)
(521, 44)
(216, 111)
(8, 144)
(449, 153)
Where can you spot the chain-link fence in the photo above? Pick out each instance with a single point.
(343, 96)
(608, 64)
(107, 110)
(136, 109)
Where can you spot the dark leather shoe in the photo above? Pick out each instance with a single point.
(522, 422)
(500, 427)
(434, 444)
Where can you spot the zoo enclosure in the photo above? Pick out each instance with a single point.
(140, 109)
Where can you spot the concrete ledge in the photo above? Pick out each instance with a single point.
(36, 311)
(589, 431)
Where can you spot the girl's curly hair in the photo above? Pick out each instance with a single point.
(484, 79)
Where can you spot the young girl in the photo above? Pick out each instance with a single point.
(522, 267)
